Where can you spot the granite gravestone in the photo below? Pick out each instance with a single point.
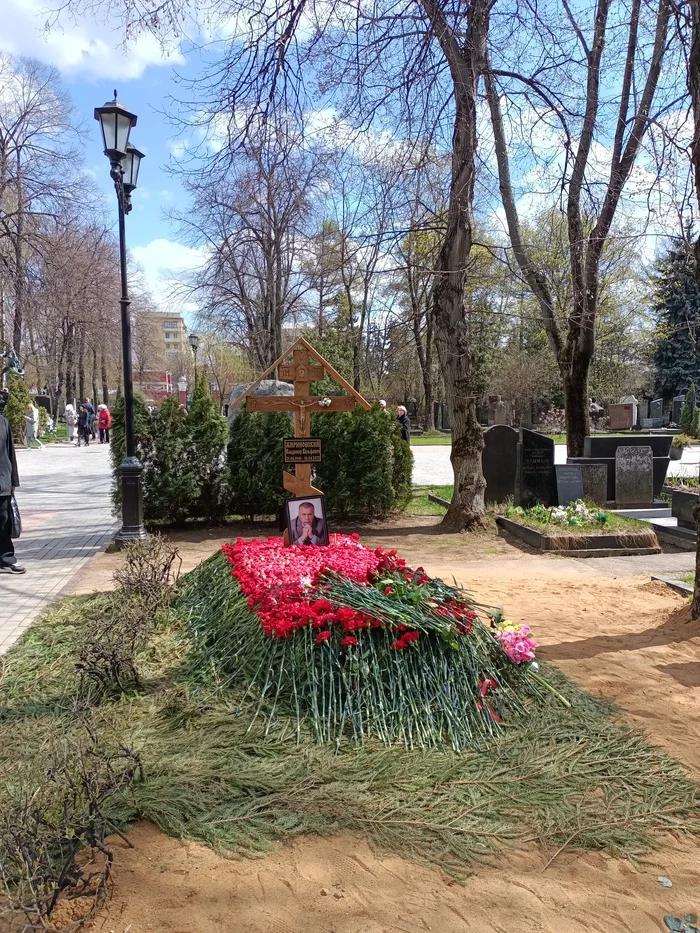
(634, 470)
(535, 481)
(499, 462)
(656, 409)
(569, 483)
(595, 482)
(266, 387)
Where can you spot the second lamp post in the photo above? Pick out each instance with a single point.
(116, 123)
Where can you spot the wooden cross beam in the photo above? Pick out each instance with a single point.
(308, 366)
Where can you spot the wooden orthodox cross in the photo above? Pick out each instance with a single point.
(307, 366)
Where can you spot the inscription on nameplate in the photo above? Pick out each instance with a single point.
(302, 450)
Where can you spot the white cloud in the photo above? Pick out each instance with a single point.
(163, 263)
(83, 47)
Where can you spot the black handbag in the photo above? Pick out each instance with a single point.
(16, 518)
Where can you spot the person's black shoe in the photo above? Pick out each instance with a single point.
(12, 568)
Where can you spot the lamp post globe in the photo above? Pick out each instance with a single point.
(116, 123)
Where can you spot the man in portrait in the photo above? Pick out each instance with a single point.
(307, 527)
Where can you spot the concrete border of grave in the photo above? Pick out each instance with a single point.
(567, 544)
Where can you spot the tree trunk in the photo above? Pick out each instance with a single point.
(103, 374)
(575, 381)
(81, 365)
(70, 365)
(694, 85)
(356, 366)
(452, 333)
(427, 371)
(695, 605)
(95, 395)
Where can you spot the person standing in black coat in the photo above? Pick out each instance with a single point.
(9, 480)
(405, 422)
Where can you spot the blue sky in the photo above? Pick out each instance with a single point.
(92, 63)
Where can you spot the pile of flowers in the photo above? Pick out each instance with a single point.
(574, 515)
(351, 640)
(288, 589)
(516, 641)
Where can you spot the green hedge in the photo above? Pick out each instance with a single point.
(16, 407)
(365, 471)
(183, 457)
(190, 472)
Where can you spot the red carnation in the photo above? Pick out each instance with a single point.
(388, 591)
(322, 636)
(347, 642)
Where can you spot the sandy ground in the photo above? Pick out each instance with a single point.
(618, 636)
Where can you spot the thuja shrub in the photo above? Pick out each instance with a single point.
(366, 467)
(365, 470)
(183, 457)
(16, 407)
(256, 462)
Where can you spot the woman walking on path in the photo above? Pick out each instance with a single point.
(31, 426)
(104, 423)
(71, 420)
(84, 429)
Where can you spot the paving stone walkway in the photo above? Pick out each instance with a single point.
(64, 499)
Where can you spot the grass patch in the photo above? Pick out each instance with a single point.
(573, 777)
(431, 440)
(420, 504)
(687, 578)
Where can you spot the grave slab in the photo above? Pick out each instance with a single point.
(595, 482)
(569, 483)
(499, 462)
(535, 479)
(634, 470)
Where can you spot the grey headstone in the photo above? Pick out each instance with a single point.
(646, 423)
(499, 462)
(535, 480)
(569, 483)
(677, 409)
(656, 409)
(266, 387)
(595, 482)
(634, 476)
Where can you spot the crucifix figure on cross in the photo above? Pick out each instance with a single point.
(307, 366)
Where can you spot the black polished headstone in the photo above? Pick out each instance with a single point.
(535, 481)
(605, 445)
(569, 483)
(499, 462)
(656, 409)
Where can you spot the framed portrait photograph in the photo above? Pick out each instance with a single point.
(306, 520)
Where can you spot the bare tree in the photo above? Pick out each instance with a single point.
(574, 54)
(38, 170)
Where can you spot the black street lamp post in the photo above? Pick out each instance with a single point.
(116, 123)
(194, 343)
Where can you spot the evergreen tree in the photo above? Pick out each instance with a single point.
(677, 310)
(695, 424)
(687, 412)
(117, 447)
(256, 462)
(207, 429)
(16, 407)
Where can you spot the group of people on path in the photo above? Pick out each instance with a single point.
(83, 425)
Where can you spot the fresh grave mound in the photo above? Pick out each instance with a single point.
(355, 643)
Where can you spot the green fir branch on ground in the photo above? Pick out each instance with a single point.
(562, 776)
